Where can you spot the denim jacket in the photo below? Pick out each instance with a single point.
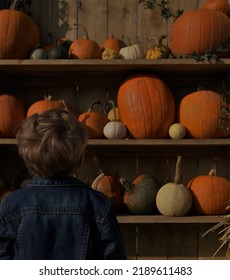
(62, 218)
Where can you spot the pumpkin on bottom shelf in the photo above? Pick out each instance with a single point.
(140, 195)
(211, 194)
(173, 198)
(110, 187)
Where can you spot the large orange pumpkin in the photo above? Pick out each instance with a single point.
(85, 48)
(218, 5)
(46, 104)
(211, 194)
(12, 114)
(199, 30)
(146, 106)
(19, 34)
(200, 113)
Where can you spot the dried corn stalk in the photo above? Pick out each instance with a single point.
(224, 225)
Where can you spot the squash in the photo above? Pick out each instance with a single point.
(158, 50)
(177, 131)
(134, 51)
(85, 48)
(109, 186)
(114, 129)
(38, 53)
(12, 114)
(191, 32)
(58, 52)
(218, 5)
(112, 43)
(114, 114)
(94, 121)
(19, 34)
(201, 112)
(174, 198)
(140, 195)
(46, 104)
(110, 54)
(211, 193)
(146, 106)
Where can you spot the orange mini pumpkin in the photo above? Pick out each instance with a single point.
(85, 48)
(47, 104)
(112, 43)
(94, 121)
(12, 114)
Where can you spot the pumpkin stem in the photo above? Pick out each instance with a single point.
(13, 5)
(127, 38)
(99, 170)
(84, 30)
(113, 107)
(177, 177)
(97, 103)
(48, 97)
(158, 40)
(126, 184)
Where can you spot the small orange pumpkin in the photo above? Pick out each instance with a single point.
(94, 121)
(112, 43)
(12, 114)
(85, 48)
(47, 104)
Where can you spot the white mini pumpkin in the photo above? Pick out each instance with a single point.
(177, 131)
(115, 130)
(132, 52)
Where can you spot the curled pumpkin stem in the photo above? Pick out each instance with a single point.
(177, 178)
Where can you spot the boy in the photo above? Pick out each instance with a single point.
(56, 216)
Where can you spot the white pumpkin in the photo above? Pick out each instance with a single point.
(177, 131)
(132, 52)
(174, 199)
(115, 130)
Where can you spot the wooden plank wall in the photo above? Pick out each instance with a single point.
(100, 17)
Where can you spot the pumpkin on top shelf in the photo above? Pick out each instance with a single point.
(19, 34)
(85, 48)
(191, 33)
(177, 131)
(112, 43)
(132, 51)
(218, 5)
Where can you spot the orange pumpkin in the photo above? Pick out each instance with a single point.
(199, 30)
(19, 34)
(200, 113)
(112, 43)
(146, 106)
(12, 113)
(85, 48)
(94, 121)
(110, 187)
(211, 194)
(47, 104)
(218, 5)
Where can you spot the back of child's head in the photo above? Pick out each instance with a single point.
(52, 143)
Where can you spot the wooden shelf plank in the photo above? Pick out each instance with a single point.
(143, 142)
(160, 219)
(71, 66)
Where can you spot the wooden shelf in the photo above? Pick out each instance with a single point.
(60, 67)
(160, 219)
